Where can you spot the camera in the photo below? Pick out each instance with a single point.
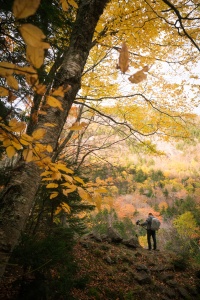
(137, 222)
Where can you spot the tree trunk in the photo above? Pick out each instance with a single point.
(18, 196)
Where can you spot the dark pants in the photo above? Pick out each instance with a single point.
(151, 233)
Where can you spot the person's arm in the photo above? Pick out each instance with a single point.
(148, 221)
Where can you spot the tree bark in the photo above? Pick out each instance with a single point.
(17, 198)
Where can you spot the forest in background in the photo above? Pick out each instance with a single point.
(165, 183)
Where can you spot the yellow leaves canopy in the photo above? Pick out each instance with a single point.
(25, 8)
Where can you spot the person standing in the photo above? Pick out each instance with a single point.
(151, 234)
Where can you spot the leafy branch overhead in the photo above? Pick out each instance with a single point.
(13, 135)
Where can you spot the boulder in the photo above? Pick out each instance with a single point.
(114, 236)
(132, 243)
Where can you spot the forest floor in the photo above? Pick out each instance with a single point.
(114, 271)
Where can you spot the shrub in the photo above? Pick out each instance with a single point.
(48, 264)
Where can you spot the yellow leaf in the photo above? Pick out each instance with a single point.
(40, 89)
(65, 207)
(68, 178)
(52, 186)
(25, 139)
(17, 126)
(54, 102)
(45, 173)
(38, 133)
(49, 148)
(39, 148)
(65, 210)
(11, 97)
(124, 58)
(12, 82)
(25, 8)
(13, 122)
(98, 200)
(6, 69)
(25, 70)
(83, 194)
(58, 209)
(33, 36)
(50, 124)
(23, 142)
(68, 191)
(77, 126)
(67, 184)
(10, 150)
(56, 175)
(64, 168)
(79, 179)
(101, 190)
(7, 142)
(3, 92)
(28, 155)
(35, 56)
(138, 77)
(17, 145)
(53, 195)
(61, 91)
(64, 4)
(42, 112)
(46, 161)
(72, 3)
(29, 73)
(53, 168)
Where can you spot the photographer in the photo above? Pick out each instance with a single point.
(150, 233)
